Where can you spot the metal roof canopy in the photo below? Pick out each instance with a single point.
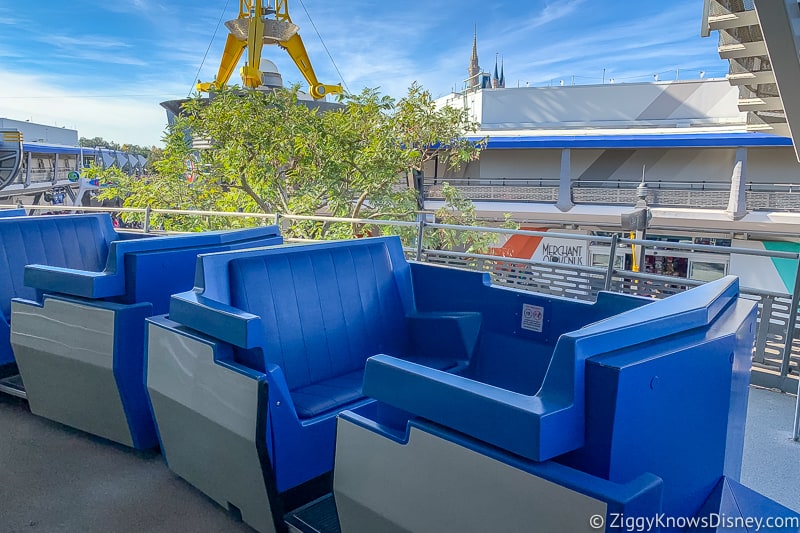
(36, 148)
(662, 140)
(776, 19)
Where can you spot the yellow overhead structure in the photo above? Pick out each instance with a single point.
(254, 28)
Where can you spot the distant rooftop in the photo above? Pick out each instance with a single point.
(42, 133)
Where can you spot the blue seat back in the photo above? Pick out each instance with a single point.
(71, 241)
(325, 308)
(12, 212)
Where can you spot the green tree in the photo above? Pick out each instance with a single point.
(266, 152)
(99, 142)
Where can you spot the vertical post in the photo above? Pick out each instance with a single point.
(147, 219)
(763, 328)
(55, 169)
(28, 170)
(796, 432)
(791, 322)
(564, 202)
(640, 262)
(420, 234)
(278, 222)
(737, 201)
(612, 255)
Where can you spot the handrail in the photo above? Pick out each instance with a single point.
(721, 184)
(192, 212)
(515, 260)
(366, 221)
(532, 233)
(710, 248)
(79, 208)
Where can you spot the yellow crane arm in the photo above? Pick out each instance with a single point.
(251, 71)
(230, 57)
(252, 35)
(297, 51)
(234, 48)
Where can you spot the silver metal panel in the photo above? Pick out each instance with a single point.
(12, 385)
(206, 417)
(65, 354)
(778, 19)
(432, 485)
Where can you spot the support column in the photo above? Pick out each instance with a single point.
(565, 182)
(28, 162)
(737, 203)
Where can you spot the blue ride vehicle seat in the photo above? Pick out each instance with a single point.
(69, 241)
(298, 322)
(78, 315)
(324, 311)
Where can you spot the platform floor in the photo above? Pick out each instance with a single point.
(55, 479)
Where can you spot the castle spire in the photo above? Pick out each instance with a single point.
(502, 82)
(474, 70)
(495, 76)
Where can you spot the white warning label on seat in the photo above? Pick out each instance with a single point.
(532, 317)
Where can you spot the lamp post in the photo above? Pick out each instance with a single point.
(637, 221)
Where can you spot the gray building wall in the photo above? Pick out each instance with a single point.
(695, 165)
(682, 103)
(42, 133)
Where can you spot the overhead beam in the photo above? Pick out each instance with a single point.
(783, 47)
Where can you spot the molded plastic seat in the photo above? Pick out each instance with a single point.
(79, 344)
(69, 241)
(290, 329)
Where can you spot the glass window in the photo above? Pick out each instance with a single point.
(601, 260)
(703, 271)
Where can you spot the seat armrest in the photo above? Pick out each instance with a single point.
(215, 319)
(446, 335)
(82, 283)
(501, 417)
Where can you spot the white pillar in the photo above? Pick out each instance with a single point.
(564, 202)
(737, 202)
(28, 162)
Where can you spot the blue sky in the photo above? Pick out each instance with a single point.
(103, 66)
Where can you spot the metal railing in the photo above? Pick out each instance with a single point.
(776, 356)
(710, 194)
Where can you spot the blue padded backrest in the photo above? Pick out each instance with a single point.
(71, 241)
(323, 311)
(12, 212)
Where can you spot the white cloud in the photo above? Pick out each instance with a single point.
(84, 41)
(123, 119)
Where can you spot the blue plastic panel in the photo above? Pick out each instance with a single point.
(551, 422)
(12, 212)
(119, 274)
(683, 140)
(65, 241)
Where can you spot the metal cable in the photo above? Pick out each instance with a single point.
(325, 46)
(221, 16)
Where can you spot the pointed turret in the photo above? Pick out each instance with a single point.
(474, 70)
(502, 82)
(495, 76)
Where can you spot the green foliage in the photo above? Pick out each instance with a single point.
(269, 152)
(108, 176)
(458, 211)
(99, 142)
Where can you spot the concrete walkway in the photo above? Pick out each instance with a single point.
(56, 479)
(771, 458)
